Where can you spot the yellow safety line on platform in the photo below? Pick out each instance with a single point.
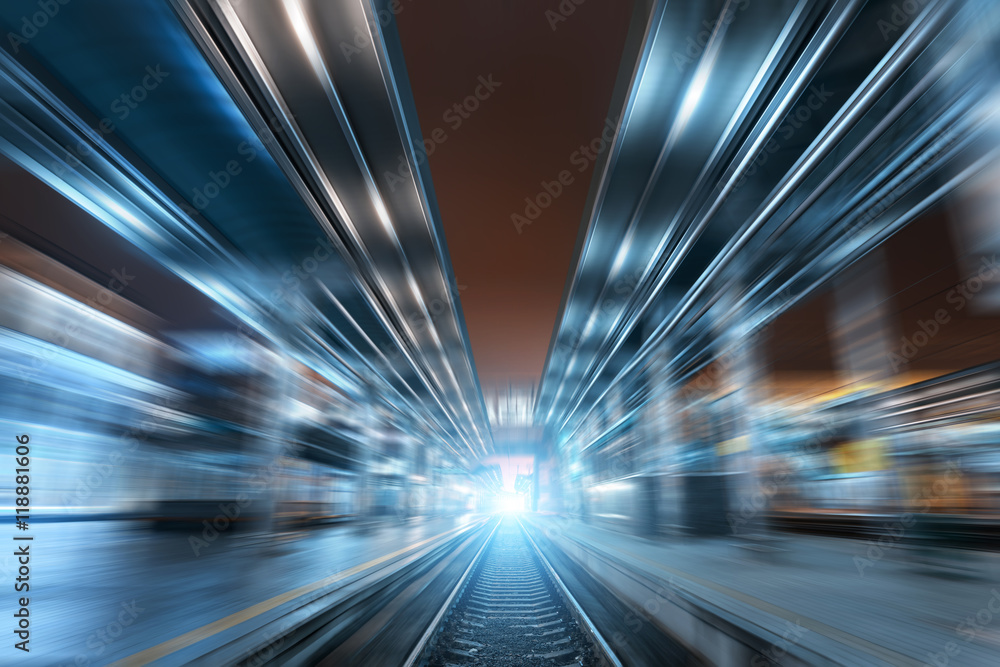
(863, 645)
(204, 632)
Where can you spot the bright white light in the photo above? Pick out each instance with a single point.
(512, 503)
(383, 214)
(299, 411)
(300, 24)
(127, 216)
(694, 94)
(623, 252)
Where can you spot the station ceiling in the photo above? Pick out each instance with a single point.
(696, 169)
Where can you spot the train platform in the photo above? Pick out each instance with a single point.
(801, 600)
(150, 599)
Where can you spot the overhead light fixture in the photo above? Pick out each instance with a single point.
(297, 15)
(694, 94)
(380, 209)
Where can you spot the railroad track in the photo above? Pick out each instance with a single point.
(511, 608)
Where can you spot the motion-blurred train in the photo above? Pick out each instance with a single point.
(129, 422)
(922, 456)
